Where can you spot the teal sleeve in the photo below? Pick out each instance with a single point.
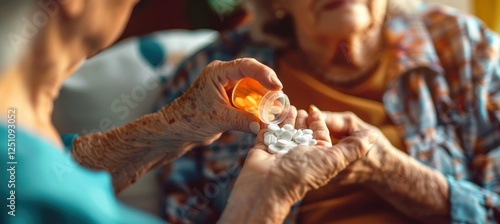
(68, 140)
(48, 186)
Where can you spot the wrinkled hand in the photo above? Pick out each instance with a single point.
(345, 124)
(292, 175)
(411, 187)
(204, 111)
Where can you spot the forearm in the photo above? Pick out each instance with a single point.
(255, 203)
(130, 151)
(411, 187)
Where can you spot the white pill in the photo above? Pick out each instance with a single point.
(268, 133)
(273, 128)
(279, 132)
(283, 152)
(275, 110)
(288, 127)
(297, 134)
(301, 139)
(282, 143)
(293, 131)
(286, 135)
(270, 140)
(307, 131)
(273, 149)
(304, 144)
(308, 136)
(312, 142)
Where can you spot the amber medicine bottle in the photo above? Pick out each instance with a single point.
(271, 107)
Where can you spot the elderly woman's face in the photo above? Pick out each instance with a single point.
(338, 17)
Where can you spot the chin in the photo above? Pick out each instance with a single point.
(97, 45)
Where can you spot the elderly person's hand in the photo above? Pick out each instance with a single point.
(199, 116)
(410, 186)
(344, 124)
(269, 184)
(204, 110)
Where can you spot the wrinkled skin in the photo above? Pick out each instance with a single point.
(413, 188)
(199, 116)
(281, 180)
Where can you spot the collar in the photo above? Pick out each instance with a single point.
(409, 45)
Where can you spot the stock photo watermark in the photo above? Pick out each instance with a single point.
(120, 106)
(11, 161)
(127, 101)
(30, 26)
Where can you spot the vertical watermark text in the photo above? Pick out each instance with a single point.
(11, 161)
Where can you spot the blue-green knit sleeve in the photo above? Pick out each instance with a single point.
(47, 186)
(68, 140)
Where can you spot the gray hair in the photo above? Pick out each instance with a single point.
(11, 13)
(265, 28)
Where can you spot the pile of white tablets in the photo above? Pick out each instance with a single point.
(282, 140)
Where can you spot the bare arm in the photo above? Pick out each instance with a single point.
(199, 116)
(254, 202)
(130, 151)
(413, 188)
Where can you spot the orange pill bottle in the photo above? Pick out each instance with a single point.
(271, 107)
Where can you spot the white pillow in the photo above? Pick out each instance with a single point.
(122, 83)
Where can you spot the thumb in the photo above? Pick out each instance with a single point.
(241, 121)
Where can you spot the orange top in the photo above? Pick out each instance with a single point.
(344, 204)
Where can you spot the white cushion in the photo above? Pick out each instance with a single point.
(120, 84)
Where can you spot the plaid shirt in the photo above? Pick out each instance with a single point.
(444, 95)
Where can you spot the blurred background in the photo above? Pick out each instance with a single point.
(154, 15)
(159, 36)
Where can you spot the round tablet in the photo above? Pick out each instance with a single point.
(273, 149)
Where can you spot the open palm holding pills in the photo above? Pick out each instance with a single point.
(283, 140)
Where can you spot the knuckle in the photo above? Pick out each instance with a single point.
(349, 118)
(361, 146)
(214, 63)
(353, 117)
(357, 143)
(213, 67)
(349, 114)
